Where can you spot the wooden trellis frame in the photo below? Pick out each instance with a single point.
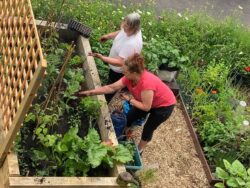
(22, 67)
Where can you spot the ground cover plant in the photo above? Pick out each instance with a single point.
(59, 136)
(214, 58)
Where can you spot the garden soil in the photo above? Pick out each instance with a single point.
(171, 153)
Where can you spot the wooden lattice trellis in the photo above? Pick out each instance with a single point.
(21, 67)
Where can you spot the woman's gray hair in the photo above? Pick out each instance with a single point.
(133, 21)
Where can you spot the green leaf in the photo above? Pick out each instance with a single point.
(70, 135)
(238, 167)
(109, 161)
(183, 59)
(219, 185)
(96, 154)
(240, 181)
(39, 155)
(222, 174)
(175, 52)
(164, 60)
(122, 154)
(61, 147)
(93, 137)
(248, 171)
(247, 185)
(38, 130)
(172, 64)
(227, 165)
(74, 156)
(50, 140)
(30, 117)
(232, 182)
(45, 131)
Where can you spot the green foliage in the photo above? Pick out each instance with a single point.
(75, 61)
(234, 175)
(215, 75)
(75, 156)
(90, 106)
(213, 131)
(73, 79)
(30, 118)
(159, 51)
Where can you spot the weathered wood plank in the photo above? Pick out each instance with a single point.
(13, 164)
(93, 80)
(62, 182)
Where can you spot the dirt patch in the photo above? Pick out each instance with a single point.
(173, 153)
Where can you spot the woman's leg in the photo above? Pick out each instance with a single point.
(133, 115)
(156, 117)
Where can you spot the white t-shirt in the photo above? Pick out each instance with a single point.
(124, 47)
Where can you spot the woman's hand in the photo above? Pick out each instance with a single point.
(125, 97)
(104, 38)
(83, 93)
(95, 55)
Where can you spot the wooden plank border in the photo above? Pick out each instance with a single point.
(62, 182)
(211, 179)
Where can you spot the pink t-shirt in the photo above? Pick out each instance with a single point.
(163, 96)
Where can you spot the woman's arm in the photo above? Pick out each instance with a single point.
(118, 61)
(106, 37)
(146, 103)
(104, 89)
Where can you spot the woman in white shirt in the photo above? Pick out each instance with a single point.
(126, 42)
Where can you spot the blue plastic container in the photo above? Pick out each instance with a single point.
(137, 163)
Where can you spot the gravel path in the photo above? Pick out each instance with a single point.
(171, 153)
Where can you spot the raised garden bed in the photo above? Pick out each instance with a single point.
(10, 171)
(211, 179)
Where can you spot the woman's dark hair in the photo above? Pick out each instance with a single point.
(135, 63)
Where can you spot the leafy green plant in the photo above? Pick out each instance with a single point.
(75, 61)
(73, 80)
(215, 75)
(90, 106)
(234, 175)
(75, 156)
(159, 51)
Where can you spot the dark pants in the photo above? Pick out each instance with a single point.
(156, 117)
(113, 77)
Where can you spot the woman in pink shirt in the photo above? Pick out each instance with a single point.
(150, 95)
